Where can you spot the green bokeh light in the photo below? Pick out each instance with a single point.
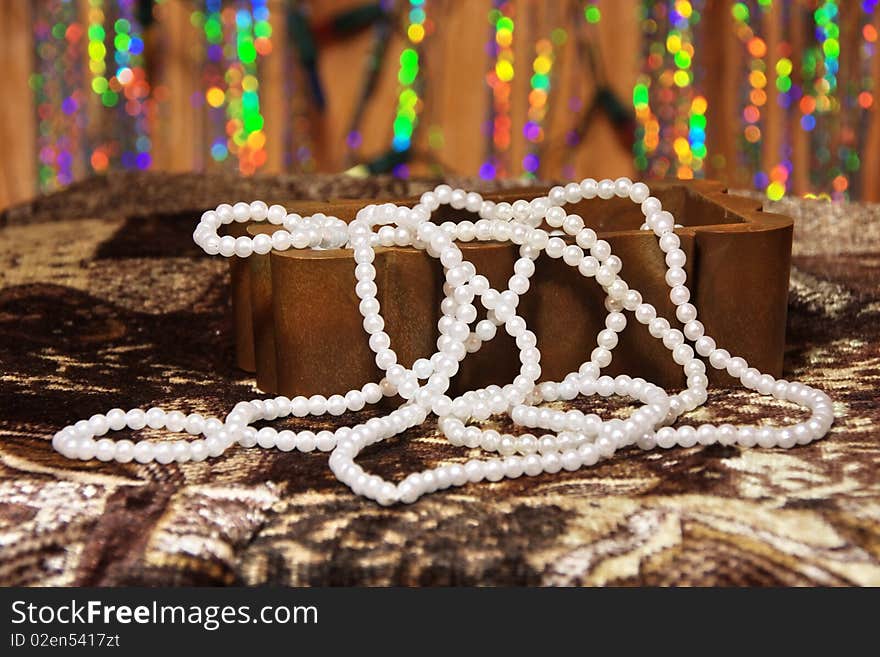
(592, 14)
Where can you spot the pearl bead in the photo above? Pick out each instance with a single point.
(143, 452)
(317, 404)
(198, 451)
(704, 345)
(605, 189)
(586, 238)
(262, 244)
(571, 460)
(163, 453)
(98, 425)
(679, 295)
(259, 211)
(174, 421)
(105, 450)
(687, 436)
(746, 436)
(706, 434)
(573, 224)
(750, 378)
(719, 359)
(194, 424)
(589, 188)
(124, 451)
(600, 250)
(155, 418)
(180, 451)
(675, 276)
(572, 192)
(638, 192)
(136, 419)
(276, 214)
(572, 255)
(622, 187)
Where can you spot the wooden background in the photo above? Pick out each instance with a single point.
(456, 95)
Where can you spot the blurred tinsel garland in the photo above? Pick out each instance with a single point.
(99, 116)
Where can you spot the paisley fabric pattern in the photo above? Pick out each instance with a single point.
(104, 301)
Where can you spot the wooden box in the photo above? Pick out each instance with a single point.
(297, 324)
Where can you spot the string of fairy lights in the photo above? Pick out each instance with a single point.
(499, 79)
(237, 35)
(779, 174)
(57, 86)
(214, 80)
(670, 110)
(804, 93)
(690, 126)
(753, 95)
(539, 84)
(408, 102)
(650, 155)
(864, 91)
(116, 62)
(821, 65)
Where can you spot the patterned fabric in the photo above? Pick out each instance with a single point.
(104, 301)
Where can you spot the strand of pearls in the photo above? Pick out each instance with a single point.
(566, 440)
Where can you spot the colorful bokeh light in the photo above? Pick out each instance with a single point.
(408, 102)
(499, 79)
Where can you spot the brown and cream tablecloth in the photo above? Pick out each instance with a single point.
(105, 301)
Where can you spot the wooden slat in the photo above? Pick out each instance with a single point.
(17, 118)
(723, 62)
(272, 90)
(178, 133)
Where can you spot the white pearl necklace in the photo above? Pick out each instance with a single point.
(568, 440)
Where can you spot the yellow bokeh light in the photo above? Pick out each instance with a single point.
(681, 78)
(416, 33)
(504, 71)
(256, 140)
(542, 64)
(783, 67)
(215, 96)
(681, 146)
(775, 191)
